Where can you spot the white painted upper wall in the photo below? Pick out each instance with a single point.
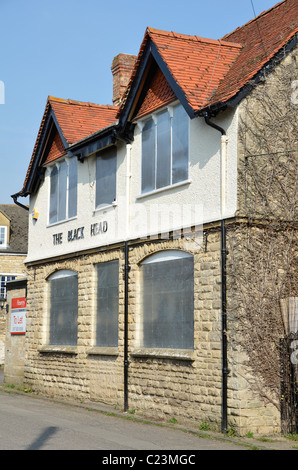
(194, 202)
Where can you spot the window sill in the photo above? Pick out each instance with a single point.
(176, 354)
(104, 208)
(165, 188)
(103, 351)
(58, 349)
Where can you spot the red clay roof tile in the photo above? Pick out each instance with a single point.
(159, 94)
(79, 119)
(57, 149)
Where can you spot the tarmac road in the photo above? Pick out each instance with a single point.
(29, 423)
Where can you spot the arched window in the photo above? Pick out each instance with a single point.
(63, 306)
(167, 300)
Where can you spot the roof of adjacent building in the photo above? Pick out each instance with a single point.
(18, 218)
(202, 73)
(261, 38)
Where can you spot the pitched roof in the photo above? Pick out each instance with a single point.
(208, 71)
(18, 218)
(71, 121)
(79, 119)
(196, 65)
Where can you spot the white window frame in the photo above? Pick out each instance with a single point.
(13, 276)
(67, 189)
(5, 244)
(141, 123)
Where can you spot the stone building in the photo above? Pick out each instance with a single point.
(13, 252)
(139, 214)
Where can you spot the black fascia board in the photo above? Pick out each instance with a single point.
(93, 143)
(172, 82)
(125, 112)
(34, 173)
(64, 141)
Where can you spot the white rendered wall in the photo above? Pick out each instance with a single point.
(197, 200)
(135, 215)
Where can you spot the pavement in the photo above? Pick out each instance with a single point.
(270, 442)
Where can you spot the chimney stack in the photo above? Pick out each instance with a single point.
(122, 68)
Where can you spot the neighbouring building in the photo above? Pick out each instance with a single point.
(152, 224)
(13, 252)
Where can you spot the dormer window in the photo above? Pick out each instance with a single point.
(3, 236)
(165, 149)
(63, 190)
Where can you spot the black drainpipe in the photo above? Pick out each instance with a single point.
(225, 370)
(126, 362)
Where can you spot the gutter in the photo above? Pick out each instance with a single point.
(225, 370)
(15, 200)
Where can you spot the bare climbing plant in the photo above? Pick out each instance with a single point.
(262, 261)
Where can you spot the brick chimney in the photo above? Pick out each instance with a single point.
(122, 68)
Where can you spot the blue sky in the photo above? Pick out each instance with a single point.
(65, 48)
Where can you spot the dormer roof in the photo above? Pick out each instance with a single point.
(210, 74)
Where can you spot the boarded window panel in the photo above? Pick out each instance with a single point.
(167, 301)
(106, 165)
(148, 156)
(163, 166)
(64, 310)
(54, 195)
(107, 304)
(180, 133)
(72, 185)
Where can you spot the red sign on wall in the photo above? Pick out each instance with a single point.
(18, 316)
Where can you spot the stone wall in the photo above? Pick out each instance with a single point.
(161, 384)
(169, 386)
